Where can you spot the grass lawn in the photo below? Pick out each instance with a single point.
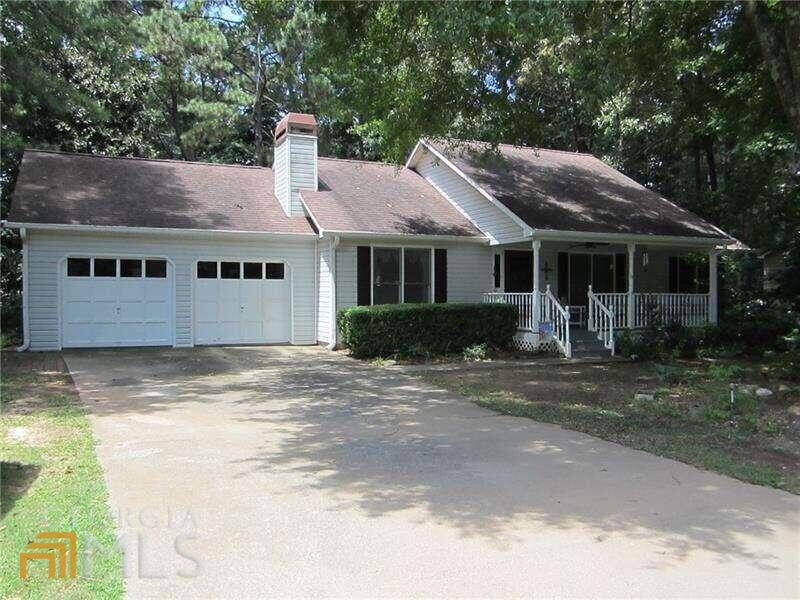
(690, 419)
(51, 481)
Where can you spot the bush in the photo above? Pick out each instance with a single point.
(476, 352)
(425, 329)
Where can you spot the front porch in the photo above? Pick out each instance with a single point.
(599, 286)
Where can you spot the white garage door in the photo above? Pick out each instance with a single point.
(116, 302)
(241, 302)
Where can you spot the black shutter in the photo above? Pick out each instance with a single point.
(497, 268)
(563, 275)
(440, 275)
(673, 274)
(621, 272)
(363, 277)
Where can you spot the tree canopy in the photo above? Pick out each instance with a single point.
(700, 100)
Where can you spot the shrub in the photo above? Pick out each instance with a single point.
(476, 352)
(670, 375)
(425, 329)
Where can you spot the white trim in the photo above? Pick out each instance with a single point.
(526, 229)
(167, 231)
(62, 273)
(26, 321)
(621, 238)
(311, 216)
(333, 332)
(409, 237)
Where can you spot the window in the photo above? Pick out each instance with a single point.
(497, 271)
(78, 267)
(206, 270)
(230, 270)
(130, 268)
(105, 267)
(155, 268)
(385, 275)
(688, 275)
(252, 270)
(274, 270)
(417, 275)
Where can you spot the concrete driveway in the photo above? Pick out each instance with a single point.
(287, 471)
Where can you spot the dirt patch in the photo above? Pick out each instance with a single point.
(34, 380)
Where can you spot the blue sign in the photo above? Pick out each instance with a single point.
(545, 330)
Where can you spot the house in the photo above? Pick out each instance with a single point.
(138, 252)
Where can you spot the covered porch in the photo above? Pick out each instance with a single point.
(603, 285)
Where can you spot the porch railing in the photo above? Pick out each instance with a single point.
(690, 310)
(558, 316)
(550, 311)
(601, 318)
(524, 303)
(617, 304)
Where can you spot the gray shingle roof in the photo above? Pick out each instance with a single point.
(380, 198)
(62, 188)
(568, 191)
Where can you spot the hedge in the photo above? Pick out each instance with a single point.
(424, 329)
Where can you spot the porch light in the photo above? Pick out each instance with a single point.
(645, 258)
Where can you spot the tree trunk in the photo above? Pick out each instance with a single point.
(698, 172)
(177, 127)
(258, 107)
(780, 47)
(711, 161)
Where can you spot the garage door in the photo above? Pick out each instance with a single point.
(116, 302)
(241, 302)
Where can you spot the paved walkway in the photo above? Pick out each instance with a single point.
(243, 472)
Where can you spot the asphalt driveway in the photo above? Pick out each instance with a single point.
(289, 471)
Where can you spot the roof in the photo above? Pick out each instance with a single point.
(63, 188)
(360, 196)
(570, 191)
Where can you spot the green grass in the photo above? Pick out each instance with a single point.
(52, 481)
(712, 436)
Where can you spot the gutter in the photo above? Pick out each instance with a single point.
(334, 244)
(26, 324)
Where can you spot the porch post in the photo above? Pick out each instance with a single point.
(631, 263)
(712, 287)
(537, 244)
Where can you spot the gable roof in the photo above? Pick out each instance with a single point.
(570, 191)
(361, 196)
(65, 188)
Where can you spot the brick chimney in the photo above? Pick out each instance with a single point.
(295, 164)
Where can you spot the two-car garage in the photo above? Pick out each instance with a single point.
(109, 301)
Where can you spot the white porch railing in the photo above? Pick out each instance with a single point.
(558, 315)
(550, 311)
(524, 303)
(690, 310)
(601, 319)
(617, 304)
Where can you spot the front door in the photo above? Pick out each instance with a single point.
(519, 271)
(580, 275)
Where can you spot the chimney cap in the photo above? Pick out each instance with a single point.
(296, 123)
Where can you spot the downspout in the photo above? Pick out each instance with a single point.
(334, 244)
(26, 326)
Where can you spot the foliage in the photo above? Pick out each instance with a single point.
(424, 329)
(670, 374)
(476, 352)
(690, 99)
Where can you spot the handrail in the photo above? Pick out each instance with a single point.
(559, 317)
(549, 310)
(601, 321)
